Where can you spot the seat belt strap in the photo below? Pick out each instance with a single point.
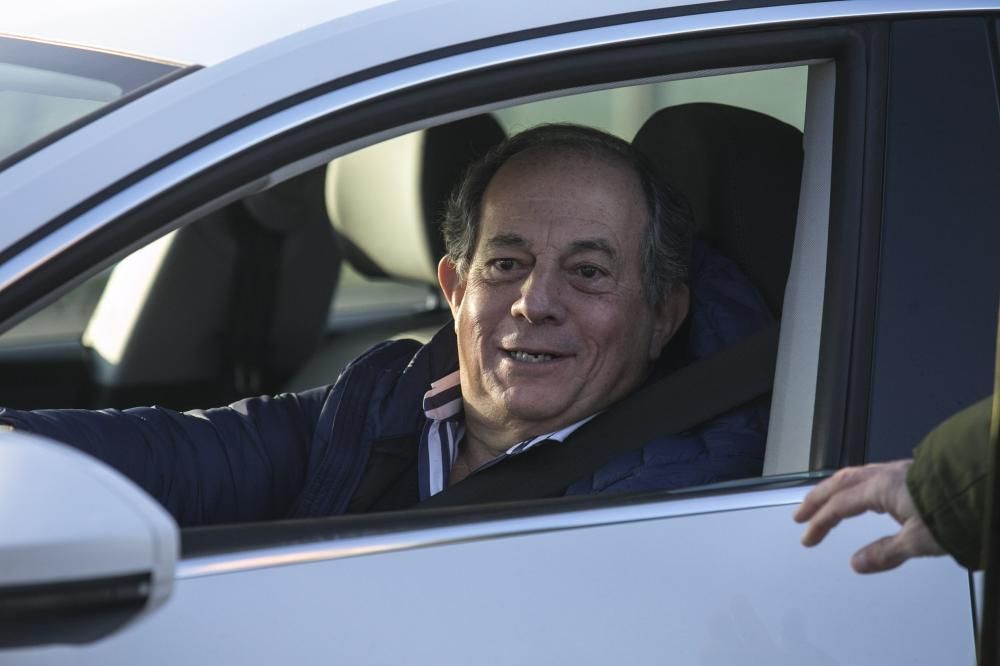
(688, 397)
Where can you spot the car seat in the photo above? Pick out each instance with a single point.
(386, 203)
(741, 173)
(227, 306)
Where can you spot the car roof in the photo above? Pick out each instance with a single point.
(196, 32)
(201, 102)
(181, 31)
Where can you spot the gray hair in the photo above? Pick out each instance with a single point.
(666, 246)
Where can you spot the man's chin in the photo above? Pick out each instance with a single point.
(547, 411)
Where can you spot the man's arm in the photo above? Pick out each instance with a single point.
(238, 463)
(939, 498)
(949, 482)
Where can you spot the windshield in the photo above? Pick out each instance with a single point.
(45, 88)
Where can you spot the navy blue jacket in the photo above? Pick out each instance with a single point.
(303, 454)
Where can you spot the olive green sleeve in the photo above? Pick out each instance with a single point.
(949, 482)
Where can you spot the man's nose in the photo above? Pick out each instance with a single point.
(541, 298)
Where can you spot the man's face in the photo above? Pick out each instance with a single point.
(551, 319)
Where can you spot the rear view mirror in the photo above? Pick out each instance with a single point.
(83, 550)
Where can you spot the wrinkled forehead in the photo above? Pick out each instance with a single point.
(547, 165)
(565, 194)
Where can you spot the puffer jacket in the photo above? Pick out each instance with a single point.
(725, 308)
(299, 455)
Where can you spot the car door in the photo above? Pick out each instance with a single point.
(711, 576)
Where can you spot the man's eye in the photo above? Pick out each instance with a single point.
(504, 265)
(590, 272)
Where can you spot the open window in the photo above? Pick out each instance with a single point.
(279, 305)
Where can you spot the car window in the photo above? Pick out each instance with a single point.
(242, 301)
(63, 320)
(366, 306)
(779, 93)
(47, 87)
(361, 299)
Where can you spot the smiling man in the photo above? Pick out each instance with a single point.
(546, 282)
(565, 271)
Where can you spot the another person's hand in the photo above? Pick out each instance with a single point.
(880, 488)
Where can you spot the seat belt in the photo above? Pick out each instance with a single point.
(688, 397)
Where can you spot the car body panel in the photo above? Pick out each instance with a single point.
(695, 588)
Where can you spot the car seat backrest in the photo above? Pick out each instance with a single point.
(386, 201)
(229, 303)
(306, 273)
(740, 171)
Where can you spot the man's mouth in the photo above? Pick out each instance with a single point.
(534, 355)
(528, 357)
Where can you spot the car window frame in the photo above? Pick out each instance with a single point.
(252, 168)
(635, 27)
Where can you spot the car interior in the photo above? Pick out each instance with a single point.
(278, 291)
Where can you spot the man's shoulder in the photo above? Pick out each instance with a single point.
(387, 355)
(421, 362)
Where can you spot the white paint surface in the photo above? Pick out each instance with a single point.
(184, 31)
(733, 587)
(209, 31)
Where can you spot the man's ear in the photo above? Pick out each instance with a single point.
(451, 283)
(668, 315)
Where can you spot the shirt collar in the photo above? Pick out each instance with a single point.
(443, 400)
(445, 428)
(557, 436)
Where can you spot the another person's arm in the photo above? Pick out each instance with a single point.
(939, 498)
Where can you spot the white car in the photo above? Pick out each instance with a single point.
(183, 235)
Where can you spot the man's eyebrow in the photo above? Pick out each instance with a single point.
(582, 245)
(594, 245)
(506, 240)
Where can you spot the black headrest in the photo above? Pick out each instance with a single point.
(740, 171)
(449, 149)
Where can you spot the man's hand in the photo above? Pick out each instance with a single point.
(880, 488)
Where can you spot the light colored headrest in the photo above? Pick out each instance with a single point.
(386, 201)
(373, 200)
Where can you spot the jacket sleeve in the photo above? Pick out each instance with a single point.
(238, 463)
(949, 482)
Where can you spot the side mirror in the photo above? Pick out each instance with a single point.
(83, 550)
